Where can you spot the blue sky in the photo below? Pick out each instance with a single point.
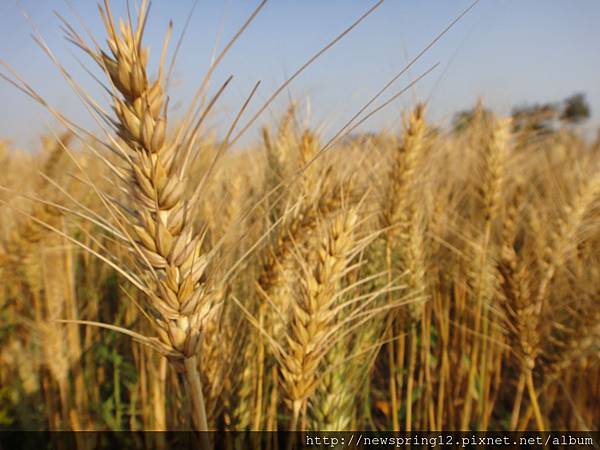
(509, 52)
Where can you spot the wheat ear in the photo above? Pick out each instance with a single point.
(166, 244)
(313, 314)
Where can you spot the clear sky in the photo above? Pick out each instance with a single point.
(509, 52)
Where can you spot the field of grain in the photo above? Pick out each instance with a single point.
(426, 279)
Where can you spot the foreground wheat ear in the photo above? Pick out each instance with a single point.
(158, 220)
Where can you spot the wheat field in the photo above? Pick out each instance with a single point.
(428, 278)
